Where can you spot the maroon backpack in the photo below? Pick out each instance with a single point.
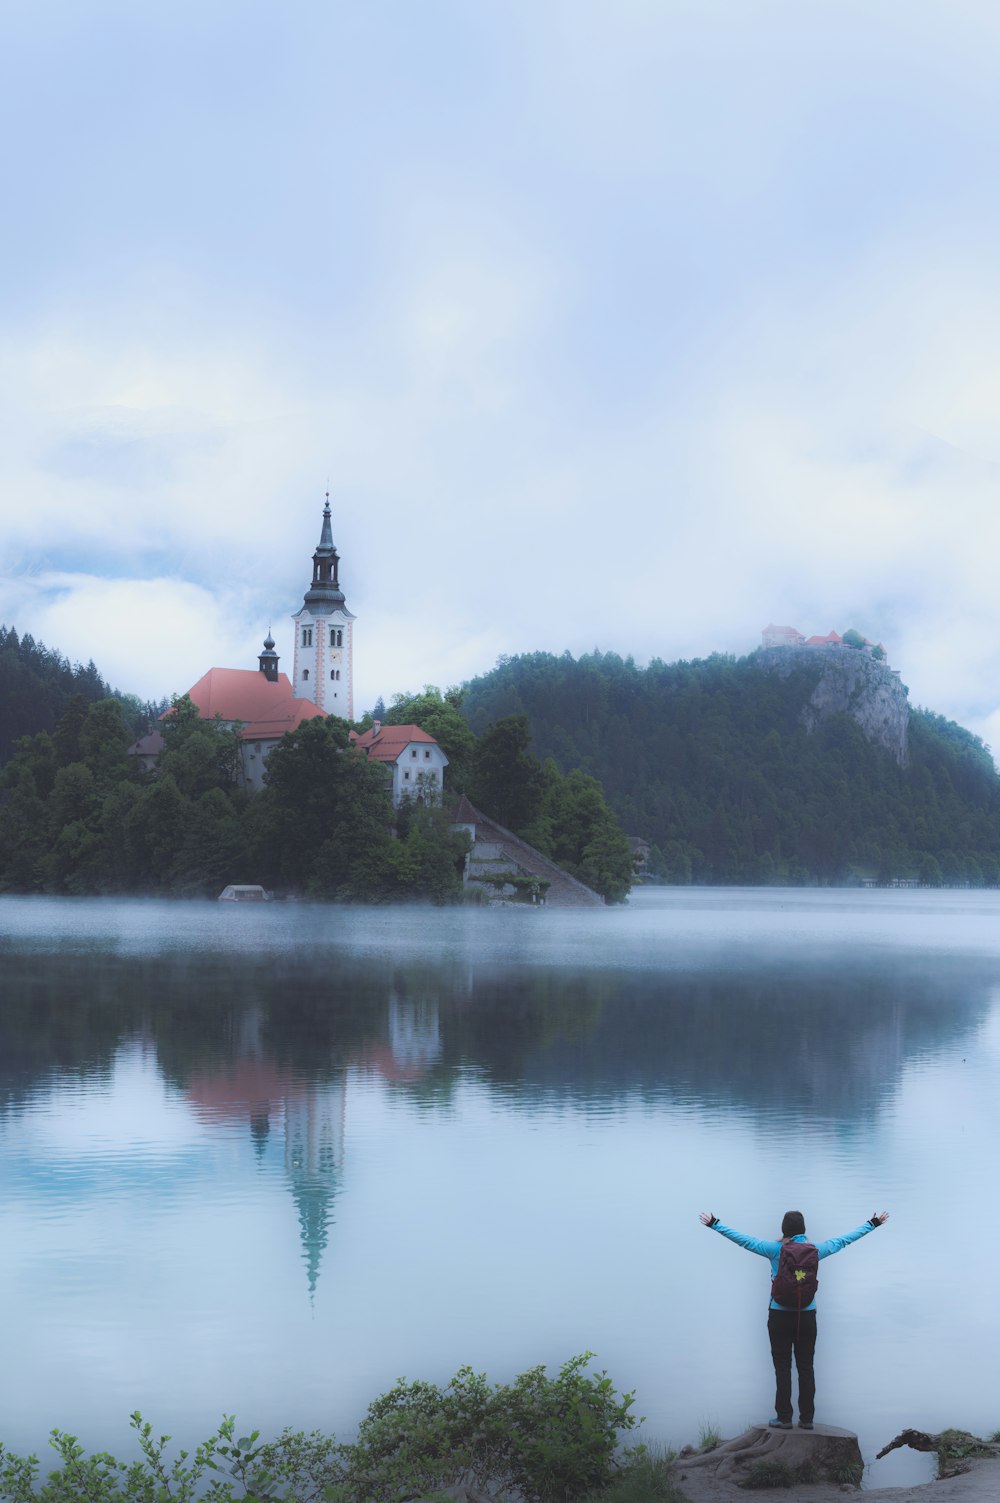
(797, 1279)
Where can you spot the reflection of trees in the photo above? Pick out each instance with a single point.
(59, 1017)
(796, 1039)
(813, 1040)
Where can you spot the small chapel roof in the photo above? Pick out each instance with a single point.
(149, 745)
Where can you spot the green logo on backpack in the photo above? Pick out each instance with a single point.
(797, 1279)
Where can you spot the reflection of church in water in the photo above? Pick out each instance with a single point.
(314, 1158)
(253, 1088)
(310, 1114)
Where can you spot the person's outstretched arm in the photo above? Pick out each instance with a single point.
(752, 1244)
(837, 1244)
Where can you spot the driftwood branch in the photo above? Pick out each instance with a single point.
(957, 1445)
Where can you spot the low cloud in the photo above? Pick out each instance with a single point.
(637, 331)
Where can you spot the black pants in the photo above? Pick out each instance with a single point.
(791, 1332)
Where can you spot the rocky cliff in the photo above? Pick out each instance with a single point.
(851, 682)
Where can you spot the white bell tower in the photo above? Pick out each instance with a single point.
(324, 634)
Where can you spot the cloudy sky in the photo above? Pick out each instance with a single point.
(632, 325)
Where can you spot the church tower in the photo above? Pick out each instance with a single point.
(324, 634)
(268, 660)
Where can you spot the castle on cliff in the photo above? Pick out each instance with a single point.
(790, 636)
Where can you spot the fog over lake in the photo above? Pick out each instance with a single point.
(266, 1159)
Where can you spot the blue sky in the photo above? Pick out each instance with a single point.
(627, 325)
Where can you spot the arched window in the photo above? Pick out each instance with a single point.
(305, 673)
(333, 673)
(307, 636)
(336, 636)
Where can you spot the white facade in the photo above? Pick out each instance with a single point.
(418, 773)
(323, 665)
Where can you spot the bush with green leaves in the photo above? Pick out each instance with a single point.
(545, 1440)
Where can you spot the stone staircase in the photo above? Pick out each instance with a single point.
(496, 852)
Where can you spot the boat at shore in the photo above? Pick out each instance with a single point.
(243, 893)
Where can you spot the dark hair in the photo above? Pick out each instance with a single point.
(793, 1224)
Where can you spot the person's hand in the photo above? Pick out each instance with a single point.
(879, 1218)
(707, 1218)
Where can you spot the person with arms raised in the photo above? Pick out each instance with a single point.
(791, 1318)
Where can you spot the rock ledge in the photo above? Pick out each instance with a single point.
(765, 1458)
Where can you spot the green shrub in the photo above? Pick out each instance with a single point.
(551, 1440)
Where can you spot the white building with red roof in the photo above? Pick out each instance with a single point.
(261, 705)
(413, 760)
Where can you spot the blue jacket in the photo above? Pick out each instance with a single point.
(772, 1250)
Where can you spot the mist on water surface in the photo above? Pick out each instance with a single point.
(265, 1160)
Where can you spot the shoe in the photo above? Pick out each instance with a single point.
(777, 1424)
(805, 1424)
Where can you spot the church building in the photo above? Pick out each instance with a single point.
(265, 704)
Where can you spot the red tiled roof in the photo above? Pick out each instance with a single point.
(267, 708)
(832, 638)
(389, 742)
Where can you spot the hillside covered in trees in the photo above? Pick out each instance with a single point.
(36, 684)
(711, 761)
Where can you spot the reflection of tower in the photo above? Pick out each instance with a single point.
(314, 1155)
(414, 1032)
(253, 1088)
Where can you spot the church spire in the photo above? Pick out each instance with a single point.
(325, 593)
(326, 536)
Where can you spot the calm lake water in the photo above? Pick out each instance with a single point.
(266, 1160)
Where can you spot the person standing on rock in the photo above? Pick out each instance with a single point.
(791, 1318)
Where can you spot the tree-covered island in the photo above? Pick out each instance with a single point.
(773, 768)
(80, 815)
